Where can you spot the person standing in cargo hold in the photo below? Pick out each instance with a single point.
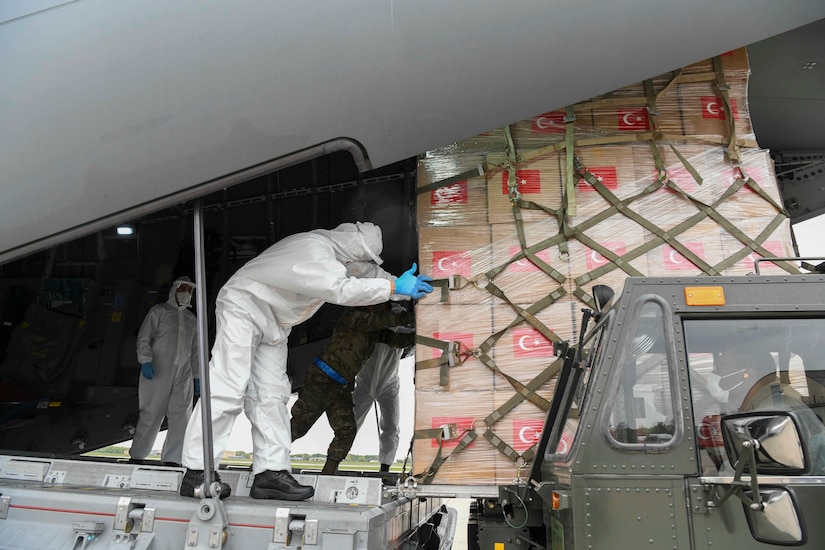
(329, 387)
(167, 350)
(378, 383)
(255, 312)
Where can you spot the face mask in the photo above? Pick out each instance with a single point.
(183, 299)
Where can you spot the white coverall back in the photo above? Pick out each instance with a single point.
(255, 312)
(167, 339)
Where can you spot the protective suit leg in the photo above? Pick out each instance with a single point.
(266, 407)
(177, 414)
(388, 423)
(153, 400)
(229, 374)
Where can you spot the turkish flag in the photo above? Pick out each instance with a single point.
(633, 119)
(528, 181)
(524, 265)
(549, 123)
(528, 342)
(596, 260)
(466, 339)
(526, 433)
(446, 263)
(565, 443)
(463, 423)
(455, 193)
(605, 174)
(675, 261)
(774, 247)
(714, 108)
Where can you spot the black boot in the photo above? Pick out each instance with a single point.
(280, 486)
(193, 479)
(385, 468)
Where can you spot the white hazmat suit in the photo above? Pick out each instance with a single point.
(255, 312)
(378, 382)
(167, 339)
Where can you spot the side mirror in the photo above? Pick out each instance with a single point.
(779, 521)
(602, 294)
(774, 435)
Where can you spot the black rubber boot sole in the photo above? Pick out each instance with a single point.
(275, 494)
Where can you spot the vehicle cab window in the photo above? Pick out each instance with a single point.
(745, 365)
(642, 412)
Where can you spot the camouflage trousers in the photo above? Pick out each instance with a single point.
(321, 394)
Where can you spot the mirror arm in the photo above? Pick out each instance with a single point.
(737, 485)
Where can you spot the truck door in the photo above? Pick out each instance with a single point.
(751, 367)
(630, 456)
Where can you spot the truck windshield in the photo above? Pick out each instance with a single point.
(741, 365)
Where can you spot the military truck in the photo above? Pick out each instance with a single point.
(155, 138)
(690, 416)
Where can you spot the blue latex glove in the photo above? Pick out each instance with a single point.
(147, 370)
(410, 285)
(424, 283)
(197, 387)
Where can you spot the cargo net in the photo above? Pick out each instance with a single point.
(662, 178)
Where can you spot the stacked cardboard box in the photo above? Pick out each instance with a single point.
(668, 180)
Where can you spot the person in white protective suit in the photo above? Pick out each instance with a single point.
(378, 383)
(255, 312)
(167, 350)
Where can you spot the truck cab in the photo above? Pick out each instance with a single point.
(690, 415)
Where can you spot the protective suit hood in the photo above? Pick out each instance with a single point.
(355, 242)
(175, 286)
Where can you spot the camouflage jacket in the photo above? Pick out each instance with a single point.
(355, 336)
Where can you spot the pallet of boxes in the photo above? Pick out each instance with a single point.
(663, 177)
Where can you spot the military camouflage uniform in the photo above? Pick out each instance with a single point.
(352, 343)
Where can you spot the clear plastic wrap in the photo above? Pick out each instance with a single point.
(652, 179)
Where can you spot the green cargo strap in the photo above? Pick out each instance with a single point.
(521, 388)
(479, 171)
(569, 193)
(428, 475)
(537, 382)
(510, 165)
(688, 166)
(527, 316)
(450, 357)
(733, 150)
(652, 116)
(538, 262)
(503, 447)
(533, 385)
(528, 253)
(755, 245)
(444, 285)
(666, 236)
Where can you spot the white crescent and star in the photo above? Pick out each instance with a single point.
(522, 434)
(544, 123)
(713, 108)
(673, 258)
(524, 344)
(636, 119)
(597, 258)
